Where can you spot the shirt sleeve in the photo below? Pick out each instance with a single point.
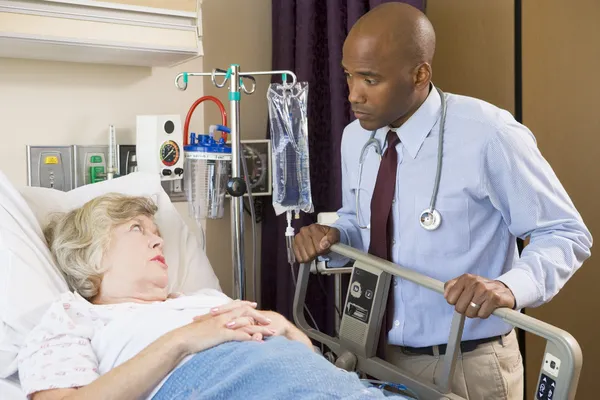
(521, 184)
(346, 223)
(57, 354)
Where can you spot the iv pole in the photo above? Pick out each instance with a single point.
(236, 186)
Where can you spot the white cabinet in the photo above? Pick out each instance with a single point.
(120, 32)
(179, 5)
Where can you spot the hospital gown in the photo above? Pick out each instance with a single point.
(76, 342)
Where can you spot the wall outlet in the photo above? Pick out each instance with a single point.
(91, 164)
(50, 167)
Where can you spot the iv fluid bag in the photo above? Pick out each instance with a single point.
(289, 137)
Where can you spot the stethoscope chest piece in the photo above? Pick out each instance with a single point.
(430, 219)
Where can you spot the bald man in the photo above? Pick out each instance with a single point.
(495, 186)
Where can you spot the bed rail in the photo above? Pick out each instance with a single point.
(561, 363)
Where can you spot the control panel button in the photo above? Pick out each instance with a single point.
(166, 172)
(356, 290)
(178, 171)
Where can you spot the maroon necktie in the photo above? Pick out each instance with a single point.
(382, 223)
(381, 202)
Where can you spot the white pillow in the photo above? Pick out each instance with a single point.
(29, 280)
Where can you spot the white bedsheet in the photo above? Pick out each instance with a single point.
(10, 389)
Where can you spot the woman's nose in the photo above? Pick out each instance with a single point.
(156, 242)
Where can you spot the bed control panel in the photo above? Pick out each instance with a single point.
(546, 388)
(548, 377)
(364, 309)
(360, 298)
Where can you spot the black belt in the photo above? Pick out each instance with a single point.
(465, 347)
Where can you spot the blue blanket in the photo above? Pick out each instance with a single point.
(275, 369)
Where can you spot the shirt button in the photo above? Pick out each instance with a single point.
(396, 323)
(393, 201)
(393, 242)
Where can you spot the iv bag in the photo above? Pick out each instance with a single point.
(289, 138)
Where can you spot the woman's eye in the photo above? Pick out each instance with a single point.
(136, 227)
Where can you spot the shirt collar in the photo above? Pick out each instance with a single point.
(413, 132)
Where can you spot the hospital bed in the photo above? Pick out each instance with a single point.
(355, 346)
(34, 281)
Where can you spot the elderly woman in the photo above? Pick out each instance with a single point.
(119, 335)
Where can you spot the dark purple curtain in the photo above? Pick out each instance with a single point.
(308, 36)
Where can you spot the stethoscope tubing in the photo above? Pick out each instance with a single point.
(372, 142)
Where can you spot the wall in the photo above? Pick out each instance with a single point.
(475, 56)
(475, 49)
(561, 60)
(53, 103)
(242, 36)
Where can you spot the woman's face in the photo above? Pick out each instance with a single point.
(135, 267)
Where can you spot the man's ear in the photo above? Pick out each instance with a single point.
(423, 76)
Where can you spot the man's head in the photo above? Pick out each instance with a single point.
(387, 59)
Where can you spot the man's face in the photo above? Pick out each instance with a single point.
(380, 82)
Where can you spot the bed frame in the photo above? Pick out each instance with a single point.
(354, 348)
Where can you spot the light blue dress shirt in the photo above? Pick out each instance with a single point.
(495, 186)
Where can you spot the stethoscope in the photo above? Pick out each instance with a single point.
(430, 219)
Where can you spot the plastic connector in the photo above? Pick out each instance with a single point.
(289, 238)
(222, 128)
(211, 131)
(289, 231)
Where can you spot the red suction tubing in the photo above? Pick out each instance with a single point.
(186, 126)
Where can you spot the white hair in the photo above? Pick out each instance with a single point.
(79, 238)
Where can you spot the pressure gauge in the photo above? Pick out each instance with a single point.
(258, 168)
(257, 154)
(169, 153)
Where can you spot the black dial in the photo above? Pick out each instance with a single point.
(169, 153)
(257, 167)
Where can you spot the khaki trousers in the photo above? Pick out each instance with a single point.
(493, 371)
